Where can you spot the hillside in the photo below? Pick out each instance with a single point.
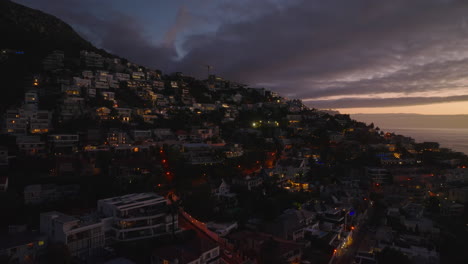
(38, 33)
(35, 34)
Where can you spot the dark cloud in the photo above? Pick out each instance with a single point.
(342, 47)
(306, 49)
(112, 30)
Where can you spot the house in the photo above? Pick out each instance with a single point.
(71, 90)
(377, 175)
(458, 194)
(265, 248)
(222, 229)
(291, 168)
(31, 145)
(225, 198)
(71, 107)
(109, 96)
(42, 193)
(138, 75)
(291, 224)
(87, 74)
(101, 84)
(234, 151)
(15, 122)
(40, 122)
(82, 82)
(248, 182)
(124, 114)
(200, 153)
(182, 135)
(103, 112)
(21, 120)
(23, 247)
(3, 183)
(141, 135)
(122, 76)
(195, 250)
(53, 61)
(3, 156)
(456, 175)
(62, 143)
(162, 134)
(116, 137)
(204, 133)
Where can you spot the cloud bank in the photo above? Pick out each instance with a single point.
(350, 50)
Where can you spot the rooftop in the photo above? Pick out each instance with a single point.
(133, 199)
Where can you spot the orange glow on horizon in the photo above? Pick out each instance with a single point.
(451, 108)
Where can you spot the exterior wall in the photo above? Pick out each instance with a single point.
(138, 216)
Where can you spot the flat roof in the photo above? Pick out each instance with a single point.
(132, 199)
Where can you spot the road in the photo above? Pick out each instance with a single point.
(232, 259)
(347, 255)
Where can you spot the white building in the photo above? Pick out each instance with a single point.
(84, 236)
(124, 218)
(137, 216)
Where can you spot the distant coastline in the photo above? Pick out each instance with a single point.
(414, 120)
(450, 131)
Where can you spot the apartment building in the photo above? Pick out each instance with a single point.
(84, 236)
(138, 75)
(62, 143)
(141, 134)
(117, 137)
(20, 121)
(91, 59)
(377, 175)
(31, 145)
(54, 60)
(122, 76)
(22, 247)
(3, 156)
(137, 216)
(16, 122)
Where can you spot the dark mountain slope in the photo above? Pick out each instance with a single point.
(36, 34)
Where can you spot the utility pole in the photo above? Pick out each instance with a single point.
(208, 69)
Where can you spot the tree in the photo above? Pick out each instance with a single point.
(58, 253)
(391, 256)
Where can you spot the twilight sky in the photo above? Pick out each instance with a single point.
(368, 56)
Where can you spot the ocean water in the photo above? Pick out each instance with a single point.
(453, 138)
